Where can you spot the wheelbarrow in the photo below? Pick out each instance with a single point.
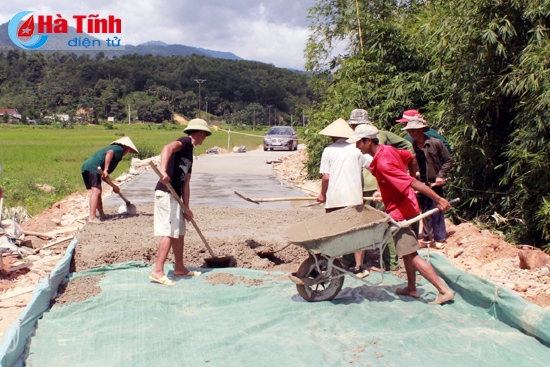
(327, 237)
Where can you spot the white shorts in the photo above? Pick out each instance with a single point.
(169, 220)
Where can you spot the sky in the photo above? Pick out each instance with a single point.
(273, 32)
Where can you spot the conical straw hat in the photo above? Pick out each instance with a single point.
(127, 142)
(338, 128)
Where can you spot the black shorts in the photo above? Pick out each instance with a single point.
(91, 179)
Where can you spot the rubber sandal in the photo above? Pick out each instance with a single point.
(164, 280)
(190, 274)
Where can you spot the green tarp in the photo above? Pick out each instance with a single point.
(262, 321)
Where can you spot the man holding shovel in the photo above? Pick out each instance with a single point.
(107, 159)
(398, 193)
(176, 163)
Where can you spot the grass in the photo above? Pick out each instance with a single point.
(33, 155)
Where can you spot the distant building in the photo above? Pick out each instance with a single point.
(61, 117)
(12, 113)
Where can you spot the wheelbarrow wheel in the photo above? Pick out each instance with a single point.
(324, 291)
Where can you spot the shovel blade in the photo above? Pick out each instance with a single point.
(219, 261)
(127, 209)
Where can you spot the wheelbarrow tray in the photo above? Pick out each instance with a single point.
(341, 232)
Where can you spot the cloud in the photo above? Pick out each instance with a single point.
(272, 32)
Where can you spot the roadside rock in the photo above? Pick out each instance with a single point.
(532, 259)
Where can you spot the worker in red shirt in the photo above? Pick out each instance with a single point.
(397, 189)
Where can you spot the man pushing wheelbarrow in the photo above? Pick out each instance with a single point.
(398, 194)
(326, 238)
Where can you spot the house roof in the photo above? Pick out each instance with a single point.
(9, 111)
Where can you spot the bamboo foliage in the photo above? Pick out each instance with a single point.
(477, 70)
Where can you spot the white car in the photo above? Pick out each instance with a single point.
(281, 137)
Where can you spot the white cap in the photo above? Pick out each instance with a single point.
(363, 131)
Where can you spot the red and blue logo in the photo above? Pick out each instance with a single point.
(32, 32)
(22, 33)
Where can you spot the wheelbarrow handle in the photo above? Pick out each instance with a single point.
(407, 223)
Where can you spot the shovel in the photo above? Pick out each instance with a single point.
(271, 252)
(213, 258)
(270, 200)
(129, 207)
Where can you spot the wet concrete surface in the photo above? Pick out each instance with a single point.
(214, 180)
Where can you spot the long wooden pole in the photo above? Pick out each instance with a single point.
(185, 210)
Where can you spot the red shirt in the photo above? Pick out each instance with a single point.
(389, 167)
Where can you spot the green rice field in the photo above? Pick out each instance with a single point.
(32, 155)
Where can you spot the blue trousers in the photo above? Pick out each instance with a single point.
(433, 227)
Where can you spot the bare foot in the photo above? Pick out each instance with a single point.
(406, 292)
(443, 298)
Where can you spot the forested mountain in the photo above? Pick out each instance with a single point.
(243, 92)
(152, 47)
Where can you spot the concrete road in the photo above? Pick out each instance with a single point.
(216, 177)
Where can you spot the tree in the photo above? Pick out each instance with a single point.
(144, 111)
(477, 70)
(160, 112)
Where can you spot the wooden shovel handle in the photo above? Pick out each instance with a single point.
(185, 210)
(271, 200)
(108, 180)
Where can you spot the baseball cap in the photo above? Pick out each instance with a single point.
(363, 131)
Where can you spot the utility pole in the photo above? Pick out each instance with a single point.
(200, 81)
(269, 114)
(254, 119)
(128, 114)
